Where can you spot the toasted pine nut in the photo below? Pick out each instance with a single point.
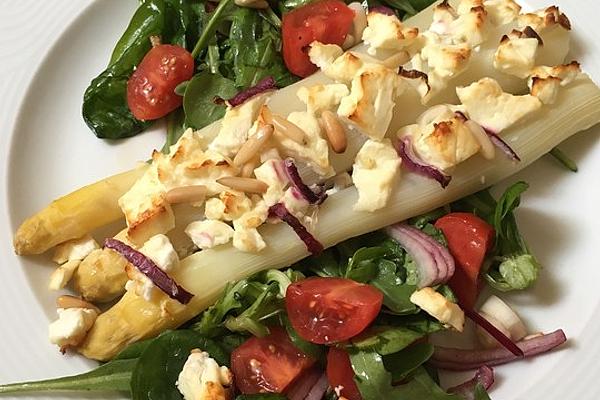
(248, 168)
(249, 185)
(488, 151)
(186, 194)
(335, 131)
(283, 126)
(253, 145)
(67, 301)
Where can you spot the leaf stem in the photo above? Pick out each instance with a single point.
(562, 158)
(210, 27)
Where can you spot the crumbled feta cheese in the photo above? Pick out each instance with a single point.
(160, 250)
(444, 142)
(319, 98)
(375, 170)
(490, 107)
(76, 249)
(71, 326)
(315, 150)
(255, 217)
(465, 6)
(323, 55)
(443, 16)
(209, 233)
(386, 32)
(501, 12)
(371, 100)
(228, 206)
(470, 27)
(439, 307)
(248, 240)
(359, 22)
(273, 174)
(63, 274)
(203, 379)
(140, 284)
(516, 55)
(541, 20)
(446, 60)
(545, 82)
(236, 124)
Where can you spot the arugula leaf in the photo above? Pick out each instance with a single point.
(198, 100)
(396, 293)
(266, 305)
(210, 323)
(314, 350)
(159, 365)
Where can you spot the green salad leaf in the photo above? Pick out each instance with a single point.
(198, 100)
(159, 365)
(405, 362)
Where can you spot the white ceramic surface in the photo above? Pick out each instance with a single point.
(49, 51)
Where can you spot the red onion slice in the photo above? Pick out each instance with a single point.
(382, 10)
(495, 332)
(312, 244)
(462, 360)
(435, 263)
(502, 145)
(147, 267)
(267, 83)
(313, 197)
(312, 385)
(415, 164)
(483, 376)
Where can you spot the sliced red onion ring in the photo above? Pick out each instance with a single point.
(147, 267)
(317, 196)
(483, 376)
(312, 385)
(415, 164)
(435, 263)
(312, 244)
(267, 83)
(382, 10)
(495, 332)
(502, 145)
(462, 360)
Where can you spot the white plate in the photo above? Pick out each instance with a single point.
(49, 51)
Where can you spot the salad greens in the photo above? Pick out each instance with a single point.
(233, 47)
(512, 266)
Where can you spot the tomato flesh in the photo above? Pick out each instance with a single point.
(341, 375)
(469, 239)
(326, 21)
(151, 87)
(268, 364)
(330, 310)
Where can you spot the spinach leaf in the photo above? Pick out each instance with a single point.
(375, 382)
(159, 365)
(314, 350)
(175, 129)
(396, 293)
(405, 362)
(198, 100)
(112, 376)
(134, 350)
(480, 393)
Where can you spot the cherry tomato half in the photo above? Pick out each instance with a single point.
(330, 310)
(341, 375)
(469, 239)
(326, 21)
(151, 87)
(268, 364)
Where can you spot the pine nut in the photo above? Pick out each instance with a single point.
(284, 126)
(335, 131)
(253, 145)
(186, 194)
(67, 301)
(248, 168)
(487, 147)
(248, 185)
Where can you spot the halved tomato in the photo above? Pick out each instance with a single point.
(151, 87)
(469, 239)
(268, 364)
(341, 375)
(330, 310)
(326, 21)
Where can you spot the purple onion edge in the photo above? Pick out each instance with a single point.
(312, 244)
(147, 267)
(504, 340)
(502, 145)
(483, 376)
(296, 180)
(414, 164)
(265, 84)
